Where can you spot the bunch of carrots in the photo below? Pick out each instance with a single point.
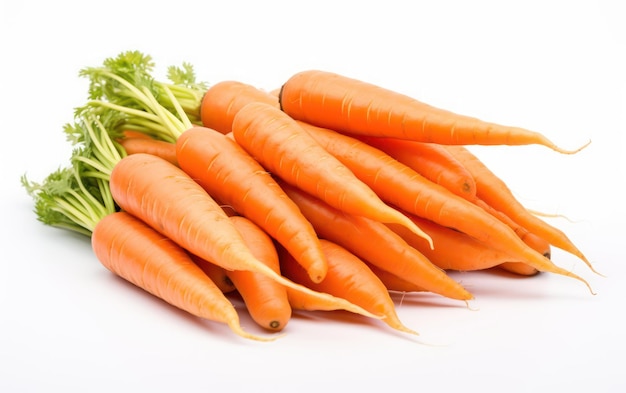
(328, 193)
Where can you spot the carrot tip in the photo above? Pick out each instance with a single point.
(574, 151)
(235, 327)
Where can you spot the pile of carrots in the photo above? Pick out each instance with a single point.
(326, 194)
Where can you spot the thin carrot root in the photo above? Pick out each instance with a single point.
(341, 303)
(565, 151)
(235, 326)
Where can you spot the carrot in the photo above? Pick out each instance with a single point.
(280, 144)
(223, 100)
(393, 282)
(265, 299)
(163, 149)
(169, 200)
(340, 103)
(400, 186)
(216, 273)
(375, 243)
(455, 250)
(349, 278)
(458, 251)
(231, 175)
(495, 192)
(134, 251)
(519, 268)
(430, 160)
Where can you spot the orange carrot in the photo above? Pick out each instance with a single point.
(281, 145)
(375, 243)
(265, 299)
(224, 99)
(430, 160)
(400, 186)
(455, 250)
(340, 103)
(458, 251)
(232, 176)
(169, 200)
(349, 278)
(217, 274)
(163, 149)
(495, 192)
(393, 282)
(519, 268)
(134, 251)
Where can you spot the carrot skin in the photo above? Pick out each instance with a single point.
(285, 149)
(392, 282)
(422, 197)
(223, 100)
(229, 174)
(163, 149)
(350, 278)
(217, 274)
(171, 202)
(495, 192)
(349, 105)
(134, 251)
(265, 299)
(375, 243)
(430, 160)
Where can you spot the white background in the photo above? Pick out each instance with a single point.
(67, 324)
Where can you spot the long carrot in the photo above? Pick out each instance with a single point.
(375, 243)
(430, 160)
(163, 149)
(223, 100)
(266, 300)
(349, 105)
(495, 192)
(349, 278)
(216, 273)
(133, 250)
(400, 186)
(455, 250)
(280, 144)
(169, 200)
(392, 282)
(229, 174)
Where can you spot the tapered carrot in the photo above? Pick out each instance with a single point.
(375, 243)
(223, 100)
(349, 278)
(341, 103)
(455, 250)
(430, 160)
(392, 282)
(133, 250)
(400, 186)
(495, 192)
(280, 144)
(265, 299)
(170, 201)
(216, 273)
(229, 174)
(163, 149)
